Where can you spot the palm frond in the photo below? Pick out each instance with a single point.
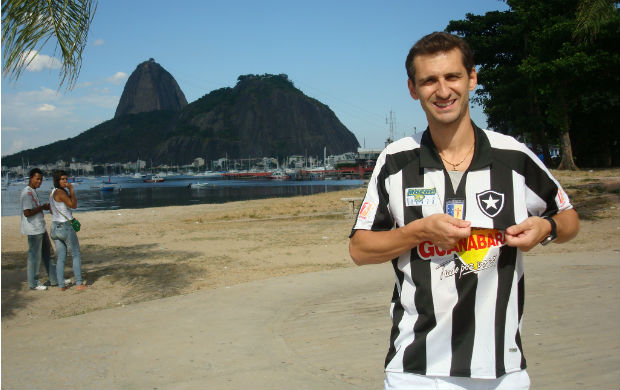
(591, 16)
(27, 25)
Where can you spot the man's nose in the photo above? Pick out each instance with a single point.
(443, 91)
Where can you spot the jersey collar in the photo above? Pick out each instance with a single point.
(429, 157)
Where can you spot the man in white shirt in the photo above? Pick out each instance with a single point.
(33, 226)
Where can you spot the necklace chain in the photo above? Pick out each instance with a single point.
(454, 165)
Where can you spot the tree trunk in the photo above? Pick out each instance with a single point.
(536, 125)
(567, 162)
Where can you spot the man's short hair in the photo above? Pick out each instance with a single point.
(34, 171)
(435, 43)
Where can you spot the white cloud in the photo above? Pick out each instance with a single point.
(42, 116)
(98, 42)
(39, 62)
(118, 78)
(26, 103)
(10, 128)
(42, 94)
(102, 101)
(46, 107)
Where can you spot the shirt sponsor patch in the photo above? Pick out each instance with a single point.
(561, 197)
(472, 254)
(366, 209)
(420, 196)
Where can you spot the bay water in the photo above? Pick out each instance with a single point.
(132, 193)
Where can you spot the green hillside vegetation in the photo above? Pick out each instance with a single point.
(122, 139)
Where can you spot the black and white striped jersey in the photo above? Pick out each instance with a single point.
(457, 311)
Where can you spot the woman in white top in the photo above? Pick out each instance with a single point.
(62, 200)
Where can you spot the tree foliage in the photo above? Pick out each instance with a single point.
(549, 73)
(27, 25)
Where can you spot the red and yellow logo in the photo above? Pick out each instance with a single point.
(472, 251)
(365, 209)
(561, 197)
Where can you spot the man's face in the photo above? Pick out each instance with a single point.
(442, 84)
(36, 180)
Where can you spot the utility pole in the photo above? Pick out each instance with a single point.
(390, 122)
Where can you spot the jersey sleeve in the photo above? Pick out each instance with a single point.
(544, 195)
(374, 213)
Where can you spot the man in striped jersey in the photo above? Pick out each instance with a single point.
(453, 208)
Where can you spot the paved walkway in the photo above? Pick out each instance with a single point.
(324, 330)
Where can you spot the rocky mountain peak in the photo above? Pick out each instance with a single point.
(261, 116)
(150, 88)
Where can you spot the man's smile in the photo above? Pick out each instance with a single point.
(445, 104)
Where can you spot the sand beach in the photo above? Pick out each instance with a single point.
(180, 296)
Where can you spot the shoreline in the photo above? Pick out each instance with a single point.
(130, 195)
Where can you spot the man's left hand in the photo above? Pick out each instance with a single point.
(528, 233)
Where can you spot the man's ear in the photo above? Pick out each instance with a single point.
(473, 79)
(412, 90)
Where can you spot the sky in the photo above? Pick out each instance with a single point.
(347, 54)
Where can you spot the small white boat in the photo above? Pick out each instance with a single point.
(210, 175)
(154, 179)
(279, 175)
(198, 185)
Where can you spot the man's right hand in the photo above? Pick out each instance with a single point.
(444, 230)
(36, 210)
(372, 247)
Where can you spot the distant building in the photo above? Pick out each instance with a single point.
(368, 154)
(296, 161)
(80, 168)
(198, 162)
(220, 164)
(135, 166)
(347, 158)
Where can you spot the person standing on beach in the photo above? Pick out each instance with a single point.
(453, 209)
(33, 226)
(62, 200)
